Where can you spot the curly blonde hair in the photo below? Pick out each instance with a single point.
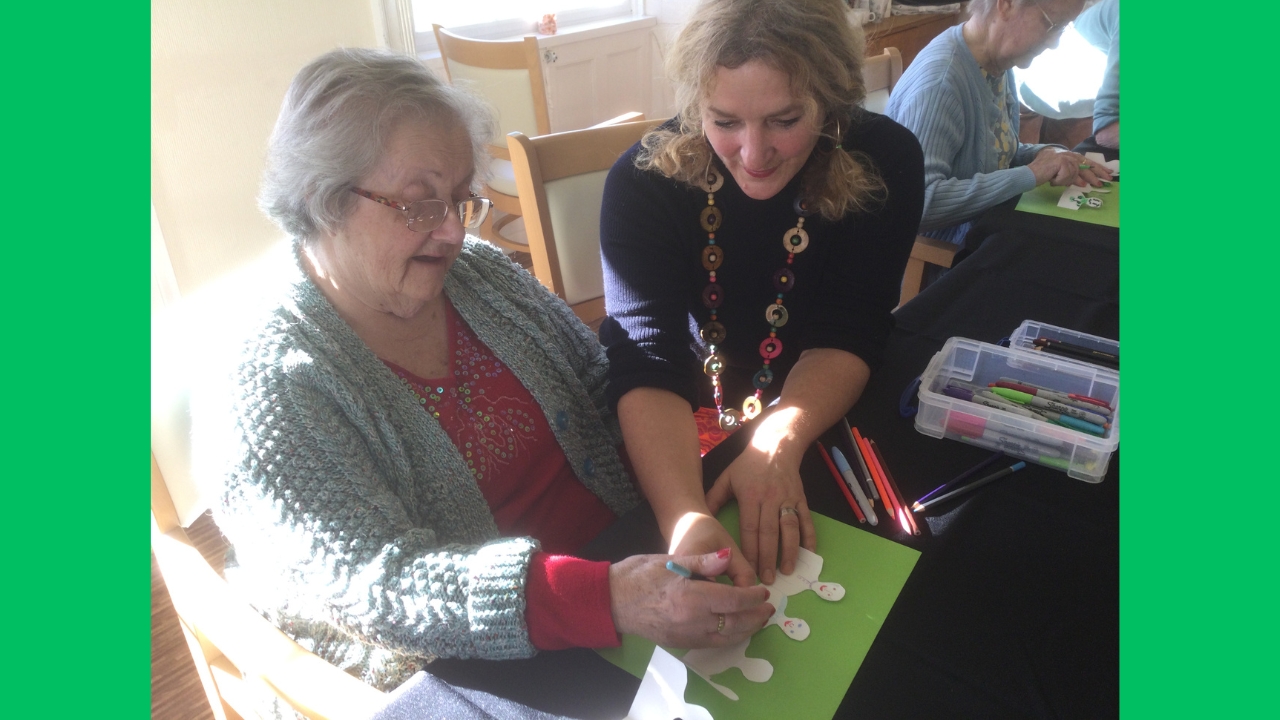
(814, 44)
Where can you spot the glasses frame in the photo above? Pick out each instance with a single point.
(1053, 27)
(477, 217)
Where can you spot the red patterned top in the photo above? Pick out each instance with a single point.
(522, 472)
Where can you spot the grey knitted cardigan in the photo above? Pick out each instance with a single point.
(944, 99)
(346, 502)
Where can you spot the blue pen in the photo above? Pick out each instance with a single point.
(852, 482)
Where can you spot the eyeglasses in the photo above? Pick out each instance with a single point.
(1054, 28)
(427, 215)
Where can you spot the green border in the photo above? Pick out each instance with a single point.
(1198, 283)
(75, 288)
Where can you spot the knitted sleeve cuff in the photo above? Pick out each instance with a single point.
(496, 599)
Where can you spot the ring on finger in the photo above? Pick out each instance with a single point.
(720, 625)
(782, 511)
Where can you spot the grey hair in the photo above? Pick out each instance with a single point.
(337, 116)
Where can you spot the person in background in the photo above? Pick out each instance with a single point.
(958, 97)
(418, 439)
(1100, 25)
(771, 177)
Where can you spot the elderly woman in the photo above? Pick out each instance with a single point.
(421, 437)
(958, 98)
(753, 247)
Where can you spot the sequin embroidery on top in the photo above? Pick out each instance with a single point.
(493, 430)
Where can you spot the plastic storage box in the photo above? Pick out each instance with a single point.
(1026, 334)
(1081, 455)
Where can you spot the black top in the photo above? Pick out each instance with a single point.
(847, 281)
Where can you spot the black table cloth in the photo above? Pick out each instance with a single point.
(1013, 607)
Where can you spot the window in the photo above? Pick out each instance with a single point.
(507, 18)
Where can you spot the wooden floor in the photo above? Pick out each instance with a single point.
(176, 692)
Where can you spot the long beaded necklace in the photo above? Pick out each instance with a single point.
(794, 241)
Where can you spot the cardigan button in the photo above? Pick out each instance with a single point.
(562, 420)
(588, 468)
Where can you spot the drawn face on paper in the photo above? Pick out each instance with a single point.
(795, 628)
(828, 591)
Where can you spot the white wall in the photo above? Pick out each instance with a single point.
(671, 15)
(219, 71)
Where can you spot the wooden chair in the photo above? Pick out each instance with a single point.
(926, 250)
(561, 182)
(879, 74)
(509, 76)
(236, 652)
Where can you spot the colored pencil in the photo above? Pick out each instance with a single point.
(893, 486)
(885, 496)
(918, 507)
(961, 477)
(840, 481)
(871, 486)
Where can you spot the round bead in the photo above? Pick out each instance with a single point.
(712, 332)
(730, 419)
(784, 280)
(713, 365)
(712, 296)
(770, 348)
(714, 180)
(802, 207)
(794, 240)
(763, 378)
(776, 315)
(711, 218)
(751, 407)
(712, 257)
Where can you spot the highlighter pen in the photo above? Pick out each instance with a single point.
(871, 486)
(847, 472)
(1039, 402)
(844, 490)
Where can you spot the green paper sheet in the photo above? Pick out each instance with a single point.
(810, 677)
(1044, 201)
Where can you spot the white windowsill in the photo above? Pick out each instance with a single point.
(588, 31)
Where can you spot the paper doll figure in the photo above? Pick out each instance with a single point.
(713, 661)
(805, 577)
(661, 693)
(795, 628)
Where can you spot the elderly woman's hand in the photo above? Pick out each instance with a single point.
(1060, 169)
(655, 603)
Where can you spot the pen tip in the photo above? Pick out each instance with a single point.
(916, 507)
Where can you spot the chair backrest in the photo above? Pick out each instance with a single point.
(506, 74)
(879, 74)
(561, 182)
